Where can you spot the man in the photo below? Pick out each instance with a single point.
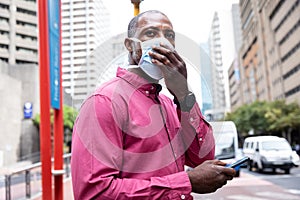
(130, 141)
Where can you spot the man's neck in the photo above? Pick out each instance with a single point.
(142, 74)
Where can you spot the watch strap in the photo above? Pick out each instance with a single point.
(187, 103)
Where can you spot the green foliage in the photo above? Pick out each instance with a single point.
(266, 117)
(69, 116)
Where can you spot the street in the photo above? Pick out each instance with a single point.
(259, 186)
(249, 186)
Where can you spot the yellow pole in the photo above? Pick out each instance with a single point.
(136, 8)
(136, 4)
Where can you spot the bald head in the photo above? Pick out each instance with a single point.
(133, 24)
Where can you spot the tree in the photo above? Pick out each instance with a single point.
(69, 116)
(267, 118)
(284, 118)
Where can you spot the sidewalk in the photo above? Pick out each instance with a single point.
(68, 191)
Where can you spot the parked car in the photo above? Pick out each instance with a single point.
(296, 159)
(268, 152)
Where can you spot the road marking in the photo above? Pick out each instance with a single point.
(294, 191)
(278, 176)
(245, 197)
(278, 195)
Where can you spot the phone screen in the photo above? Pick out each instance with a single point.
(239, 162)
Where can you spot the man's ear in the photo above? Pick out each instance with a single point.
(128, 44)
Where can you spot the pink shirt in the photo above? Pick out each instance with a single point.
(129, 143)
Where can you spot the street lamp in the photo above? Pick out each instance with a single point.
(136, 4)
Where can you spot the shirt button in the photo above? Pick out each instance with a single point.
(182, 196)
(191, 119)
(147, 92)
(200, 139)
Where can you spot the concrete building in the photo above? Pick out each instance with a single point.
(19, 138)
(18, 32)
(282, 53)
(237, 29)
(269, 55)
(85, 26)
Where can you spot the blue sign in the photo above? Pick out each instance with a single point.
(28, 110)
(54, 50)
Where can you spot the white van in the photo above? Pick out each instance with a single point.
(226, 139)
(268, 152)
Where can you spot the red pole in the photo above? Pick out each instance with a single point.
(45, 129)
(58, 152)
(58, 134)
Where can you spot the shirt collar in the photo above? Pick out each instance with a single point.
(138, 82)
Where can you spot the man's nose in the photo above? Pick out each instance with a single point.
(160, 35)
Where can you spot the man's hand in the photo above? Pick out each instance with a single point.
(210, 176)
(173, 68)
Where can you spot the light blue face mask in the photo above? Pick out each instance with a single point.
(145, 62)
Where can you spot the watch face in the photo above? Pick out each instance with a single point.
(190, 100)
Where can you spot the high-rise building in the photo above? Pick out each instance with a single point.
(269, 56)
(85, 27)
(206, 78)
(234, 70)
(221, 51)
(237, 29)
(282, 51)
(18, 32)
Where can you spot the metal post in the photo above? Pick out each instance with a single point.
(7, 187)
(67, 166)
(45, 130)
(27, 182)
(136, 9)
(136, 4)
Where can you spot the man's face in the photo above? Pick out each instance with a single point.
(150, 26)
(154, 25)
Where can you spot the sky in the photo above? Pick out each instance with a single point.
(191, 18)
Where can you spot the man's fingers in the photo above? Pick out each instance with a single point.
(225, 170)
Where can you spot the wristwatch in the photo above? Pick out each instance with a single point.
(188, 102)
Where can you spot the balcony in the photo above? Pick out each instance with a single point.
(26, 43)
(4, 39)
(28, 5)
(26, 56)
(4, 13)
(26, 18)
(26, 30)
(4, 26)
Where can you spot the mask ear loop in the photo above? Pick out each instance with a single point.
(135, 39)
(133, 66)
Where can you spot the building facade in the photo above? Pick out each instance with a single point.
(269, 56)
(85, 26)
(235, 92)
(18, 32)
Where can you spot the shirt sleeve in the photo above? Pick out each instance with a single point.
(96, 162)
(202, 146)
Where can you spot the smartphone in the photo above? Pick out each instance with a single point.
(239, 162)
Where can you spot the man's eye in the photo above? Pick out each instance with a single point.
(150, 33)
(170, 35)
